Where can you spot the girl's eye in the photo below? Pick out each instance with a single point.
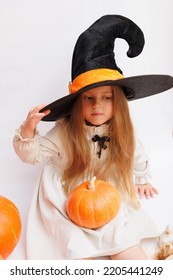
(107, 97)
(87, 98)
(92, 99)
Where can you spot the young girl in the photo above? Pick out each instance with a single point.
(73, 157)
(93, 136)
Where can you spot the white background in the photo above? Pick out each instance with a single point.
(37, 38)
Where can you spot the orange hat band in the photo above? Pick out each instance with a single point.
(92, 77)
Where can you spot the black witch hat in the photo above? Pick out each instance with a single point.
(93, 64)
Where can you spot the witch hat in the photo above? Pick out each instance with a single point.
(93, 64)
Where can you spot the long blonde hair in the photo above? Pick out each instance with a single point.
(120, 162)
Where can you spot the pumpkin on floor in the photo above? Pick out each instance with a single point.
(93, 204)
(10, 227)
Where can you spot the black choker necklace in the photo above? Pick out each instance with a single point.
(90, 124)
(101, 141)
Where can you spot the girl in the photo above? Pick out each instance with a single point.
(73, 157)
(93, 136)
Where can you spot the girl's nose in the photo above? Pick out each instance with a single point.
(96, 103)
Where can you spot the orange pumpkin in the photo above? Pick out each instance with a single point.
(93, 204)
(10, 227)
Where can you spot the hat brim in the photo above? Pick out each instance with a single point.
(134, 88)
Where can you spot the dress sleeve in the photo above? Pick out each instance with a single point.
(142, 172)
(37, 149)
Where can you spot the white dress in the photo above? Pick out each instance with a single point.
(50, 233)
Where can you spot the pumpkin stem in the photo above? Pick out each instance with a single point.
(91, 184)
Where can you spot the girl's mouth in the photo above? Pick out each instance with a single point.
(96, 114)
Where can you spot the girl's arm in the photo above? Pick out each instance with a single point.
(34, 117)
(142, 173)
(29, 145)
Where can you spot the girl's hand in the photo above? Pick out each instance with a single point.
(33, 118)
(146, 190)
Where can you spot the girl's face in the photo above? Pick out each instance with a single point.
(98, 105)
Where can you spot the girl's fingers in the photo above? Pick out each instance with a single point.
(37, 109)
(42, 114)
(47, 112)
(34, 113)
(140, 191)
(155, 190)
(146, 191)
